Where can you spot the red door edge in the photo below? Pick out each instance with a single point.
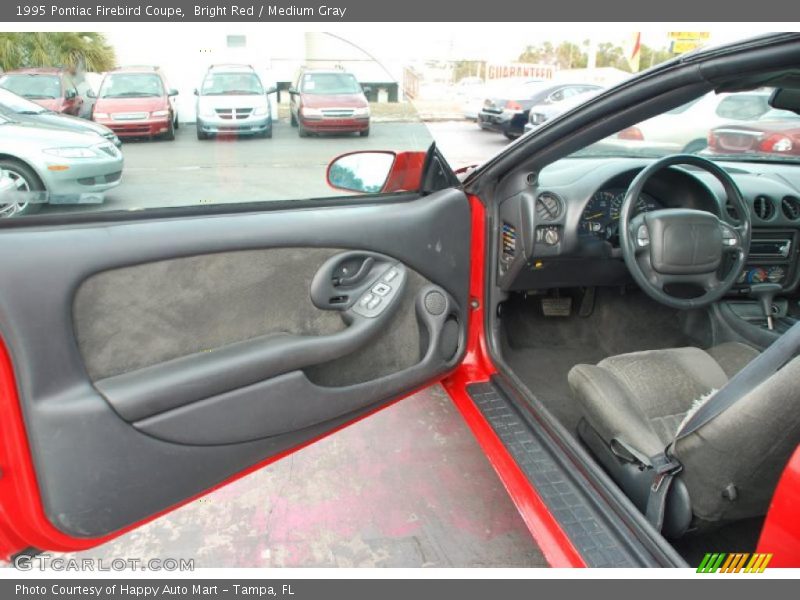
(477, 367)
(780, 535)
(23, 522)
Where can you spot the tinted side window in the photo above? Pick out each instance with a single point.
(743, 107)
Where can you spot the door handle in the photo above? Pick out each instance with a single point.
(347, 279)
(343, 279)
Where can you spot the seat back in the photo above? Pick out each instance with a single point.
(733, 462)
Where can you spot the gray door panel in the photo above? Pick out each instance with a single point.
(156, 358)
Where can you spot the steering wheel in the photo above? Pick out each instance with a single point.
(682, 245)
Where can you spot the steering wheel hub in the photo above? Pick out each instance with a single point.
(684, 241)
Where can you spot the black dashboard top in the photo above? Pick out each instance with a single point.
(562, 230)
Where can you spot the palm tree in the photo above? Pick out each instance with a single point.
(88, 51)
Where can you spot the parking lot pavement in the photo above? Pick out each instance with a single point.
(406, 487)
(188, 171)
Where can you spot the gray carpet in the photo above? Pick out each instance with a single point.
(541, 350)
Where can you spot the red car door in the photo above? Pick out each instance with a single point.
(149, 358)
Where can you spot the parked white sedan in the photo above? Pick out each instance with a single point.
(52, 165)
(685, 129)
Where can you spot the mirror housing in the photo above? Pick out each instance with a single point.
(173, 92)
(271, 89)
(91, 94)
(785, 99)
(377, 171)
(196, 92)
(293, 91)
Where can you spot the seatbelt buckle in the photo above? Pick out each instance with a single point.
(666, 468)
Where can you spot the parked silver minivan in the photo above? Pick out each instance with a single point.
(232, 100)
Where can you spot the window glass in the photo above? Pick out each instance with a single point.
(736, 126)
(742, 107)
(236, 41)
(329, 83)
(219, 119)
(38, 87)
(17, 104)
(129, 85)
(232, 83)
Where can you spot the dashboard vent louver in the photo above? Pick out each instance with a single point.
(509, 242)
(764, 208)
(791, 208)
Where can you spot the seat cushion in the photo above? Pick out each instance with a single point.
(641, 398)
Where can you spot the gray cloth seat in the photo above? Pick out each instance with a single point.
(731, 465)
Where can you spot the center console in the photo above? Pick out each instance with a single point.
(773, 259)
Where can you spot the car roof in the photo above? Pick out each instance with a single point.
(325, 71)
(136, 69)
(36, 71)
(231, 68)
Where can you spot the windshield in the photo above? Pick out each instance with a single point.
(131, 85)
(329, 83)
(221, 84)
(737, 126)
(18, 104)
(35, 87)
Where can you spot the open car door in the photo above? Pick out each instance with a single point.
(149, 357)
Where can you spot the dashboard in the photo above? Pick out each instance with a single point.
(562, 230)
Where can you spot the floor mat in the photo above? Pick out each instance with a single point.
(541, 350)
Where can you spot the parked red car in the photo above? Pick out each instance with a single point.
(778, 132)
(329, 102)
(137, 102)
(51, 88)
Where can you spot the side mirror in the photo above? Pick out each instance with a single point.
(173, 92)
(293, 91)
(91, 94)
(374, 171)
(196, 93)
(70, 94)
(785, 99)
(271, 90)
(367, 89)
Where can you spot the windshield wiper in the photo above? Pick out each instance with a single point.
(39, 97)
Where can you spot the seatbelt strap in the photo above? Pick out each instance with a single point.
(666, 468)
(757, 372)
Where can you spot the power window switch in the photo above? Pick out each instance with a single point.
(381, 289)
(374, 303)
(390, 275)
(366, 299)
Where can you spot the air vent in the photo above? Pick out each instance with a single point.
(764, 208)
(791, 208)
(548, 207)
(509, 242)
